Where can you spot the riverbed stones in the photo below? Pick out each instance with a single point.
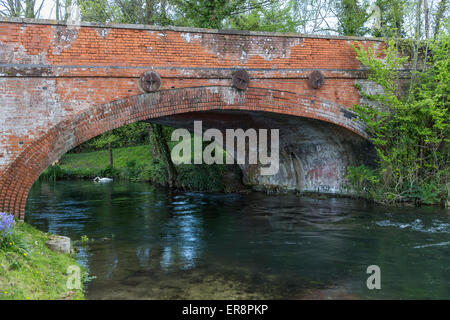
(59, 244)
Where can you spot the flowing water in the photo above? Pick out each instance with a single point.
(153, 243)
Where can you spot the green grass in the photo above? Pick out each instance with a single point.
(130, 163)
(98, 160)
(31, 271)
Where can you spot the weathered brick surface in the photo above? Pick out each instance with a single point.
(60, 86)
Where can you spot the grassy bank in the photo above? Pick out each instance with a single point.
(31, 271)
(98, 159)
(137, 164)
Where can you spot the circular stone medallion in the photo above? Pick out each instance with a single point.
(316, 79)
(241, 79)
(150, 81)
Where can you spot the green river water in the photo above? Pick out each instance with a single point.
(154, 243)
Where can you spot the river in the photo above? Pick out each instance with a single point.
(153, 243)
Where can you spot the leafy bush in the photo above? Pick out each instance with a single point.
(129, 135)
(53, 173)
(132, 170)
(201, 177)
(425, 193)
(362, 179)
(109, 171)
(410, 131)
(84, 240)
(155, 172)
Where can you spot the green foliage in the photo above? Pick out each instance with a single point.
(258, 15)
(84, 240)
(155, 172)
(129, 135)
(110, 172)
(97, 11)
(14, 242)
(270, 17)
(362, 179)
(53, 173)
(205, 13)
(125, 11)
(352, 15)
(426, 192)
(132, 171)
(105, 139)
(410, 131)
(201, 177)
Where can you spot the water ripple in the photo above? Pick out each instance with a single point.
(417, 225)
(440, 244)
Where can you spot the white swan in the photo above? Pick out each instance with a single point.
(103, 180)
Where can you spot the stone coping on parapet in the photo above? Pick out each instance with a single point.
(183, 29)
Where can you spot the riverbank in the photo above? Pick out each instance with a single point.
(31, 271)
(137, 164)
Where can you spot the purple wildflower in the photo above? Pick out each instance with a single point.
(6, 223)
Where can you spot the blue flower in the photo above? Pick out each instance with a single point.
(6, 223)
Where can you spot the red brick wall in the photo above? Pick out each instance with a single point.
(57, 84)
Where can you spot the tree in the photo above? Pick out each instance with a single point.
(99, 11)
(161, 151)
(11, 8)
(107, 139)
(206, 13)
(143, 11)
(269, 16)
(21, 8)
(127, 11)
(352, 15)
(63, 8)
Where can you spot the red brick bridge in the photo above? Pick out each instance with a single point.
(61, 85)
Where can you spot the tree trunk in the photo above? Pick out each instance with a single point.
(418, 20)
(427, 18)
(163, 18)
(161, 150)
(29, 9)
(110, 151)
(168, 160)
(57, 10)
(68, 9)
(149, 11)
(154, 144)
(417, 36)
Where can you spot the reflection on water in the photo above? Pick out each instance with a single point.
(153, 243)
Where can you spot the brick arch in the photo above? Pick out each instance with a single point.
(20, 175)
